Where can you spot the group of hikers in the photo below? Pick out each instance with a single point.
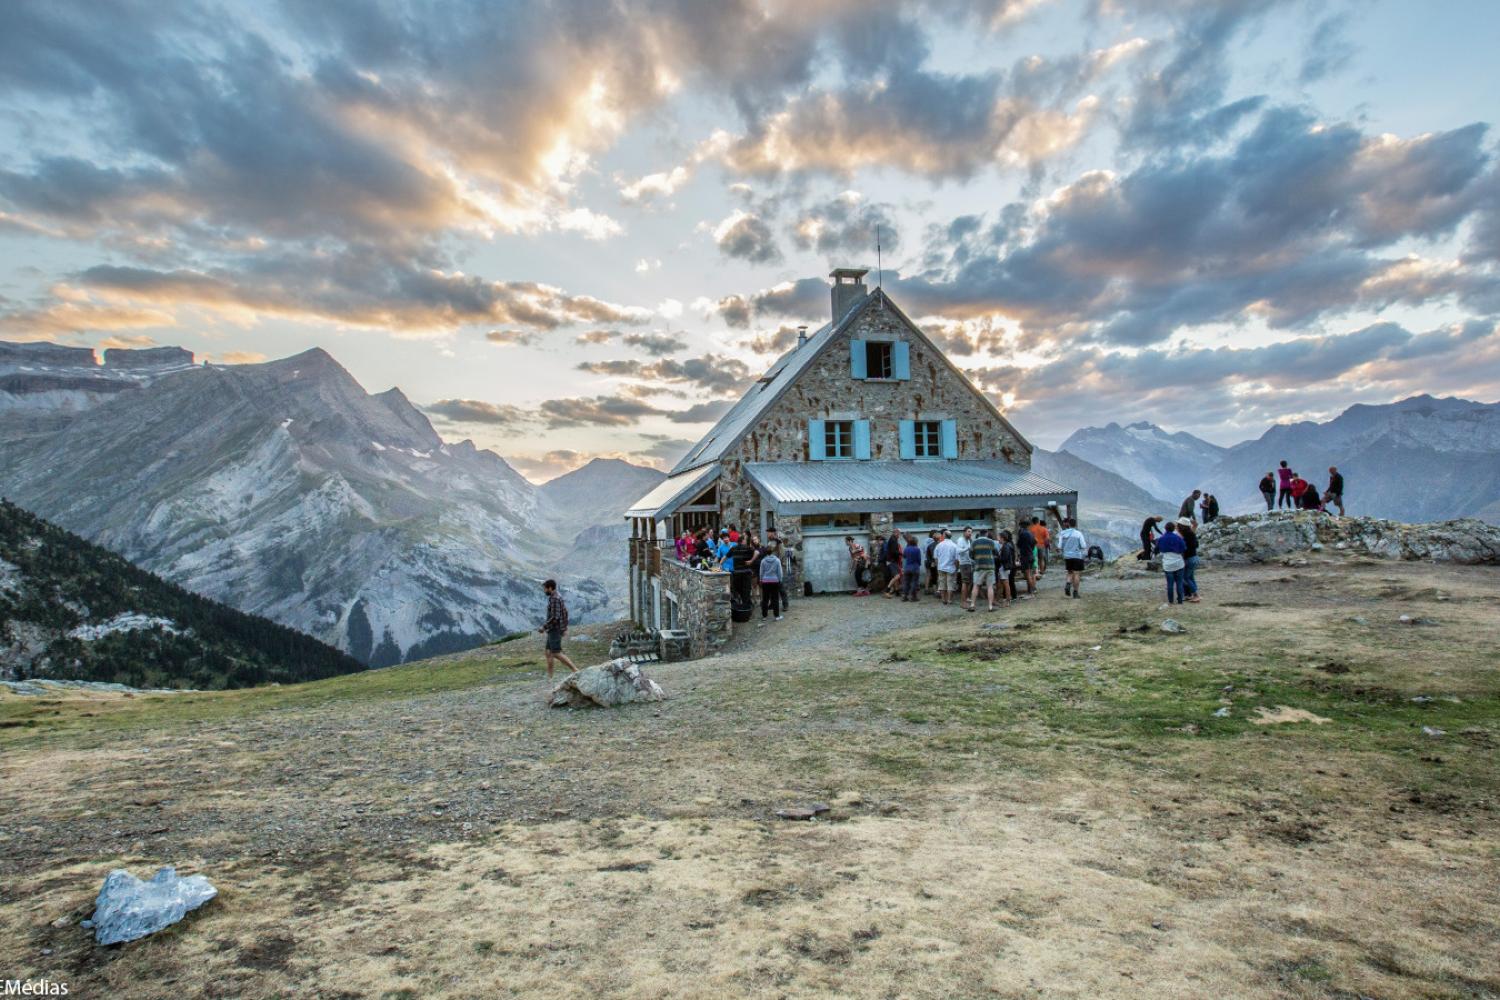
(750, 561)
(1175, 543)
(958, 565)
(1285, 488)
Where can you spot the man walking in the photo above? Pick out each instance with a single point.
(945, 555)
(555, 627)
(984, 555)
(1335, 494)
(1075, 549)
(1284, 479)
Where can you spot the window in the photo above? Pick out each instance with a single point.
(833, 521)
(927, 438)
(838, 439)
(878, 359)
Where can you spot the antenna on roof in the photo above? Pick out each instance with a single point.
(879, 267)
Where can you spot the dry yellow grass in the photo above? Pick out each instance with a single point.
(1013, 814)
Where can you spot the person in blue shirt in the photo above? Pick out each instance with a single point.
(911, 569)
(1171, 546)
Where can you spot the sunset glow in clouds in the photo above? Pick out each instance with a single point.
(581, 227)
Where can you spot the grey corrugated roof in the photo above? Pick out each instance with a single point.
(673, 492)
(839, 482)
(743, 415)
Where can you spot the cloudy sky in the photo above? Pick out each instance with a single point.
(579, 227)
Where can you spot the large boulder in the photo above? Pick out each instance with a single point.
(1270, 536)
(128, 908)
(618, 682)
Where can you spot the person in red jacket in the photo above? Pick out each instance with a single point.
(1299, 487)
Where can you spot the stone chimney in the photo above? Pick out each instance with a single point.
(848, 288)
(801, 335)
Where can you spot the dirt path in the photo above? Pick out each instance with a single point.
(1039, 809)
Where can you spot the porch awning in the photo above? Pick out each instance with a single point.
(858, 487)
(673, 492)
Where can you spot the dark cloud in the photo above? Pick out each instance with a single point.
(746, 237)
(598, 411)
(362, 287)
(511, 337)
(1179, 89)
(710, 373)
(778, 342)
(845, 223)
(701, 413)
(1328, 49)
(475, 411)
(597, 336)
(1283, 226)
(1250, 386)
(656, 344)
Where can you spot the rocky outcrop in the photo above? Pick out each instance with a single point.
(148, 357)
(618, 682)
(1270, 536)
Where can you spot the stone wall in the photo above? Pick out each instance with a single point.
(702, 604)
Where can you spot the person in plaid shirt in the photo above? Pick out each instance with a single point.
(555, 626)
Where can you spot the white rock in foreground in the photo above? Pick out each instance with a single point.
(618, 682)
(128, 908)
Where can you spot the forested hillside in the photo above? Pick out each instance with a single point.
(70, 609)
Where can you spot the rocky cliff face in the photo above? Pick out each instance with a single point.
(286, 490)
(1266, 537)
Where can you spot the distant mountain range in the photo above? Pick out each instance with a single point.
(1111, 508)
(1164, 465)
(1420, 459)
(71, 610)
(286, 490)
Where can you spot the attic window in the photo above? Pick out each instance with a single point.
(878, 359)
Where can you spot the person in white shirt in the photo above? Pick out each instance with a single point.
(965, 543)
(1075, 549)
(945, 554)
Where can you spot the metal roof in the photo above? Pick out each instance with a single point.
(743, 415)
(673, 492)
(799, 485)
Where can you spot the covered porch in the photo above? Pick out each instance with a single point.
(817, 505)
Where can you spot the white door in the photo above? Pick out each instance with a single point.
(825, 561)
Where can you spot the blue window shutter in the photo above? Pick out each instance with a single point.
(901, 359)
(908, 439)
(816, 443)
(857, 367)
(950, 439)
(862, 439)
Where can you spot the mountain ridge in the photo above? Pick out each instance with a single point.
(285, 489)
